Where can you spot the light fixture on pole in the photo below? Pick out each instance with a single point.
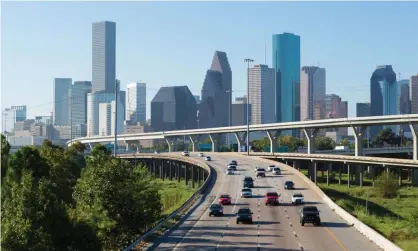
(248, 60)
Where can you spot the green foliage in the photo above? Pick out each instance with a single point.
(116, 199)
(324, 143)
(387, 185)
(78, 146)
(5, 149)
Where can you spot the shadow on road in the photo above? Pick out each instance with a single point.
(334, 224)
(267, 222)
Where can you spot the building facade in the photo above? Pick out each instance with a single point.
(312, 93)
(383, 95)
(77, 113)
(262, 99)
(173, 108)
(413, 94)
(336, 108)
(239, 111)
(362, 109)
(20, 112)
(136, 98)
(61, 100)
(104, 56)
(215, 106)
(286, 62)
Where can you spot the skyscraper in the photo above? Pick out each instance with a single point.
(335, 108)
(104, 56)
(215, 106)
(413, 94)
(173, 108)
(94, 100)
(383, 95)
(77, 113)
(286, 62)
(136, 98)
(239, 112)
(61, 100)
(312, 93)
(262, 80)
(362, 109)
(107, 116)
(403, 98)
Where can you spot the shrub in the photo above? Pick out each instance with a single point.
(387, 185)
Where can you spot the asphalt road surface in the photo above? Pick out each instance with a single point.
(273, 228)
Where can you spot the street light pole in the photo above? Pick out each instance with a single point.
(229, 91)
(248, 60)
(116, 119)
(71, 119)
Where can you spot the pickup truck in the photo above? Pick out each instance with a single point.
(310, 214)
(297, 198)
(244, 214)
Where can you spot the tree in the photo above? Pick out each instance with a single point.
(116, 199)
(261, 144)
(324, 143)
(78, 146)
(387, 185)
(5, 150)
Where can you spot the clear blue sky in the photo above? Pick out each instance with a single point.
(168, 43)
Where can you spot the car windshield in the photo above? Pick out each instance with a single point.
(310, 209)
(289, 183)
(260, 170)
(297, 195)
(224, 196)
(246, 190)
(215, 206)
(248, 179)
(271, 165)
(272, 194)
(230, 169)
(244, 211)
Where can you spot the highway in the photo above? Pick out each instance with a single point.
(274, 227)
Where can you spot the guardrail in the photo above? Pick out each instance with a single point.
(199, 191)
(367, 231)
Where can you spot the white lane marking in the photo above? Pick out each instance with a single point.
(295, 234)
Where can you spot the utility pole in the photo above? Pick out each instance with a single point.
(71, 119)
(116, 119)
(229, 91)
(248, 60)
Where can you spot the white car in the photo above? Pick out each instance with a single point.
(229, 171)
(207, 158)
(297, 198)
(276, 171)
(232, 167)
(246, 192)
(270, 168)
(201, 155)
(261, 172)
(185, 153)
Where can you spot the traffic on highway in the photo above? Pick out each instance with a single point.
(251, 208)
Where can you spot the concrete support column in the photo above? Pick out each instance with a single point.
(170, 166)
(240, 139)
(272, 136)
(357, 171)
(186, 175)
(91, 147)
(169, 145)
(414, 131)
(359, 132)
(310, 135)
(193, 175)
(400, 176)
(315, 167)
(348, 175)
(178, 172)
(339, 173)
(329, 167)
(198, 175)
(162, 162)
(214, 138)
(361, 176)
(195, 142)
(414, 177)
(127, 145)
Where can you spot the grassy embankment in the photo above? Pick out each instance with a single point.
(395, 218)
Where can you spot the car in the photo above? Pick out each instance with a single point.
(297, 198)
(156, 152)
(244, 214)
(201, 155)
(270, 168)
(261, 172)
(229, 171)
(208, 158)
(234, 162)
(271, 198)
(225, 199)
(216, 210)
(276, 171)
(289, 185)
(248, 182)
(246, 192)
(185, 153)
(232, 166)
(309, 214)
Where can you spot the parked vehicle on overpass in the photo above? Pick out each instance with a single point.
(208, 158)
(234, 162)
(289, 185)
(201, 155)
(248, 182)
(270, 168)
(261, 172)
(229, 171)
(297, 198)
(246, 193)
(244, 214)
(185, 153)
(156, 152)
(309, 214)
(225, 199)
(276, 171)
(271, 198)
(216, 210)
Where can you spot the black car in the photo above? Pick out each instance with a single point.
(289, 185)
(309, 214)
(248, 182)
(230, 165)
(233, 162)
(244, 214)
(216, 210)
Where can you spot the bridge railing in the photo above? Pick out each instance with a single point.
(199, 191)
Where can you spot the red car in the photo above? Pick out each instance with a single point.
(225, 199)
(271, 198)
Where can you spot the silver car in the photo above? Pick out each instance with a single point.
(246, 192)
(276, 171)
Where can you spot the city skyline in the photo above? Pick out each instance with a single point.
(74, 66)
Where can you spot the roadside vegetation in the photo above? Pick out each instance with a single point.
(388, 208)
(57, 199)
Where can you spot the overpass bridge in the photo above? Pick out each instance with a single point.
(310, 129)
(366, 151)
